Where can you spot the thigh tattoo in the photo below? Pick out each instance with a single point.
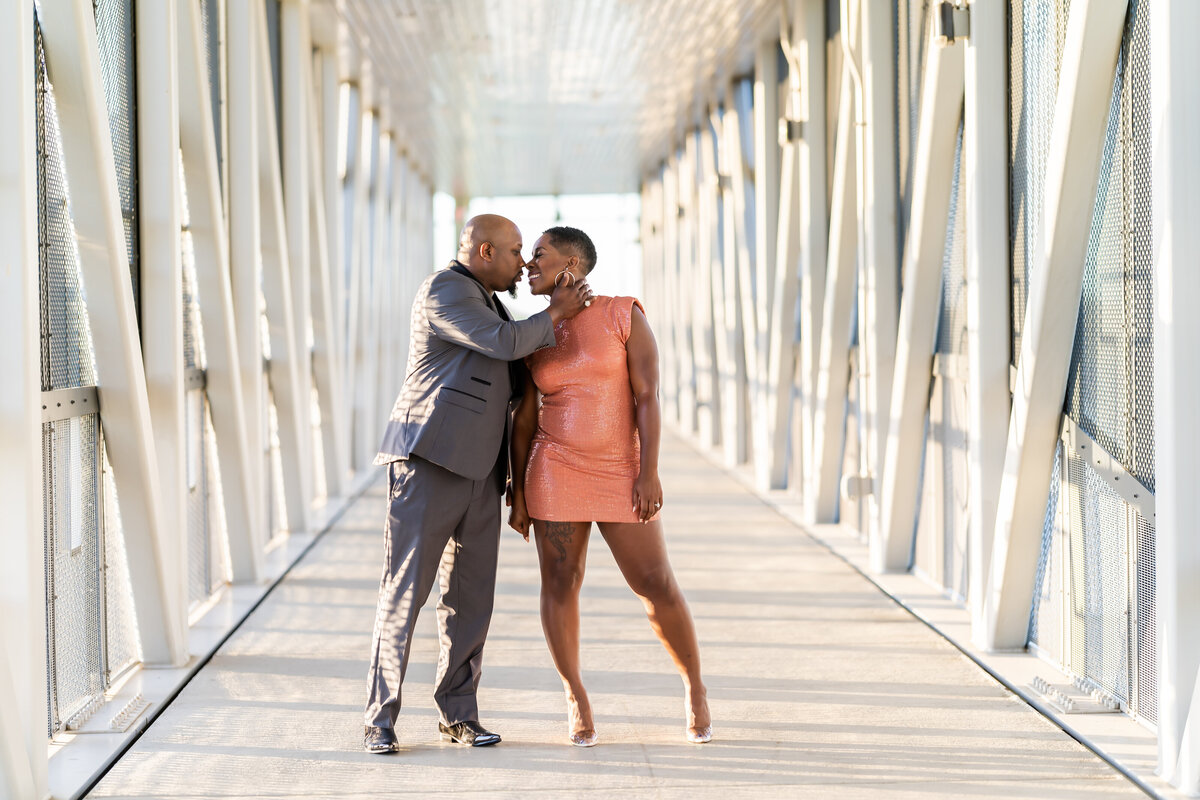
(559, 534)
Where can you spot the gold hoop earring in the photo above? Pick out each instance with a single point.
(569, 274)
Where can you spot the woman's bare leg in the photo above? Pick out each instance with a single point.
(562, 554)
(641, 553)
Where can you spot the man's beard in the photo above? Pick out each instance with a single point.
(512, 289)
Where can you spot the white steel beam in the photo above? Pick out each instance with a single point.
(1175, 126)
(766, 231)
(223, 374)
(924, 250)
(324, 284)
(69, 31)
(292, 398)
(161, 279)
(367, 418)
(734, 252)
(296, 96)
(685, 287)
(1056, 279)
(809, 43)
(383, 397)
(22, 570)
(878, 287)
(985, 171)
(708, 337)
(245, 244)
(353, 186)
(738, 127)
(833, 363)
(669, 291)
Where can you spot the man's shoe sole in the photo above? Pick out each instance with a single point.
(391, 748)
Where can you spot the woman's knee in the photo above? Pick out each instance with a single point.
(656, 585)
(562, 581)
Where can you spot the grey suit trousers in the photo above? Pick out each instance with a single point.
(446, 526)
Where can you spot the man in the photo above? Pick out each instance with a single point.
(446, 449)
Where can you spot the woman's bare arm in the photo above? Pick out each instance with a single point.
(523, 428)
(642, 358)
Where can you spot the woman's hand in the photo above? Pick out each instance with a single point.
(518, 517)
(647, 495)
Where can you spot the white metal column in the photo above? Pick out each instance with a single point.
(878, 287)
(161, 279)
(245, 234)
(1175, 124)
(924, 251)
(22, 570)
(240, 460)
(985, 160)
(291, 394)
(767, 163)
(833, 364)
(814, 224)
(1072, 166)
(73, 57)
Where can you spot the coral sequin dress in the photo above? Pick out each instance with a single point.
(586, 453)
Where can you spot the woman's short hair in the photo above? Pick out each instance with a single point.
(564, 237)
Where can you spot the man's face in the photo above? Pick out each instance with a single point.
(503, 272)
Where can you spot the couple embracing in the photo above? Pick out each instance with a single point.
(580, 447)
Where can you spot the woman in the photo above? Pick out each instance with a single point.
(589, 453)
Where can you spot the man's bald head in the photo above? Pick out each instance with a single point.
(490, 246)
(484, 228)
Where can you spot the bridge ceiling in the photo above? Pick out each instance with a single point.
(543, 96)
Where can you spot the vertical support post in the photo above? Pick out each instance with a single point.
(709, 339)
(672, 389)
(368, 232)
(814, 224)
(22, 570)
(925, 246)
(766, 231)
(734, 253)
(1072, 167)
(74, 60)
(239, 460)
(985, 159)
(325, 287)
(879, 288)
(245, 235)
(833, 363)
(159, 216)
(290, 394)
(741, 159)
(296, 63)
(1175, 125)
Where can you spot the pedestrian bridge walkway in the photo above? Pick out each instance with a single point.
(820, 685)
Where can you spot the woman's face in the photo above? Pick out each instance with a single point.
(547, 263)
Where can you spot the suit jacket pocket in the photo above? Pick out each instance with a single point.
(462, 399)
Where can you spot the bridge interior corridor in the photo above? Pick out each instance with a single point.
(820, 685)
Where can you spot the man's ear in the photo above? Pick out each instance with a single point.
(487, 251)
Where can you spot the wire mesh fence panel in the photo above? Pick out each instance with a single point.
(1110, 392)
(67, 358)
(1146, 635)
(1100, 577)
(1098, 382)
(74, 547)
(210, 31)
(1037, 29)
(912, 39)
(114, 37)
(1046, 616)
(121, 638)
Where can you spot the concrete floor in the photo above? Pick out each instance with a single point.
(820, 686)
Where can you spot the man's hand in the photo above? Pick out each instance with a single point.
(518, 518)
(569, 299)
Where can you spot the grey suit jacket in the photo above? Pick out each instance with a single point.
(453, 409)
